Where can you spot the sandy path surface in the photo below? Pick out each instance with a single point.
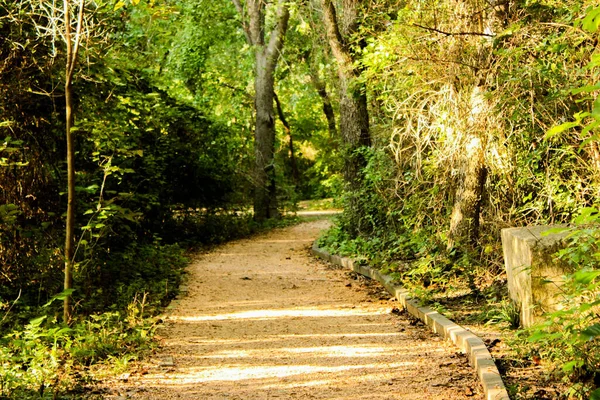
(264, 320)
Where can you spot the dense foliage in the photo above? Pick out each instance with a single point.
(480, 116)
(158, 170)
(484, 116)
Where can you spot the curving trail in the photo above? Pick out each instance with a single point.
(264, 320)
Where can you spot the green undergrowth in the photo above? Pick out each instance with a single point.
(41, 357)
(118, 301)
(194, 230)
(420, 262)
(567, 340)
(319, 205)
(47, 359)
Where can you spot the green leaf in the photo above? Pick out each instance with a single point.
(584, 307)
(591, 332)
(61, 296)
(586, 89)
(595, 395)
(592, 20)
(588, 128)
(62, 332)
(594, 61)
(37, 321)
(588, 215)
(537, 336)
(555, 130)
(568, 367)
(585, 277)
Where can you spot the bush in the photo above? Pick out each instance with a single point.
(570, 337)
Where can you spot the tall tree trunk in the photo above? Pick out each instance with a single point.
(354, 126)
(70, 224)
(464, 221)
(265, 199)
(288, 133)
(354, 116)
(266, 57)
(72, 47)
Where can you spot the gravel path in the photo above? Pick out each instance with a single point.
(264, 320)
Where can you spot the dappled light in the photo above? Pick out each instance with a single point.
(270, 314)
(286, 241)
(311, 335)
(157, 158)
(235, 374)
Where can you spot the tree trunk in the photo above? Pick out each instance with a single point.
(464, 221)
(354, 126)
(70, 224)
(265, 199)
(72, 47)
(266, 57)
(354, 116)
(288, 133)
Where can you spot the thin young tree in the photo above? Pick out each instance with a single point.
(72, 44)
(267, 52)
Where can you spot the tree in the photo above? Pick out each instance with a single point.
(266, 53)
(72, 44)
(472, 173)
(354, 116)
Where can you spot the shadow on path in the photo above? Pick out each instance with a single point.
(263, 320)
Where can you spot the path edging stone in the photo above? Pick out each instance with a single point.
(476, 350)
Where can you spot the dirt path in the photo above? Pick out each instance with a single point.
(264, 320)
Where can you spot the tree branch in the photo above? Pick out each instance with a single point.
(256, 21)
(280, 113)
(68, 42)
(321, 89)
(427, 28)
(278, 34)
(240, 10)
(336, 41)
(288, 131)
(475, 68)
(246, 95)
(77, 34)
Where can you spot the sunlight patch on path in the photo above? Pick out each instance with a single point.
(316, 352)
(262, 320)
(201, 375)
(270, 314)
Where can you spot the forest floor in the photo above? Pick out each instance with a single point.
(262, 319)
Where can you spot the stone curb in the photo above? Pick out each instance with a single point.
(479, 356)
